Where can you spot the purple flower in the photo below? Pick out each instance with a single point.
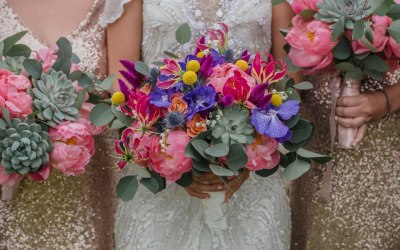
(133, 77)
(268, 121)
(200, 99)
(206, 66)
(124, 89)
(245, 56)
(187, 59)
(160, 98)
(228, 100)
(259, 97)
(217, 57)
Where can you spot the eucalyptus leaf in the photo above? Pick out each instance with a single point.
(358, 29)
(75, 59)
(151, 184)
(101, 114)
(355, 74)
(6, 115)
(185, 180)
(267, 172)
(117, 124)
(127, 120)
(217, 150)
(200, 146)
(64, 48)
(63, 65)
(237, 157)
(202, 165)
(381, 7)
(170, 54)
(304, 85)
(220, 171)
(293, 121)
(379, 76)
(394, 12)
(107, 83)
(1, 50)
(394, 30)
(19, 50)
(339, 30)
(191, 152)
(3, 124)
(293, 95)
(295, 170)
(276, 2)
(376, 63)
(342, 50)
(308, 14)
(313, 156)
(344, 66)
(80, 99)
(142, 68)
(183, 34)
(9, 42)
(127, 187)
(139, 171)
(291, 67)
(33, 67)
(301, 131)
(159, 64)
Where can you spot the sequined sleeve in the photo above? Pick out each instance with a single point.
(113, 11)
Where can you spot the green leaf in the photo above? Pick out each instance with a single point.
(295, 170)
(293, 121)
(394, 12)
(200, 146)
(80, 99)
(339, 30)
(379, 76)
(237, 157)
(117, 124)
(6, 115)
(354, 73)
(183, 34)
(107, 83)
(170, 54)
(267, 172)
(1, 50)
(286, 159)
(276, 2)
(304, 86)
(3, 124)
(10, 41)
(142, 68)
(291, 67)
(376, 63)
(124, 119)
(307, 14)
(191, 152)
(217, 150)
(127, 187)
(293, 95)
(64, 48)
(158, 64)
(101, 114)
(202, 165)
(33, 67)
(313, 156)
(75, 59)
(381, 7)
(219, 171)
(85, 81)
(151, 184)
(75, 76)
(185, 180)
(394, 30)
(362, 56)
(63, 65)
(301, 132)
(19, 50)
(343, 50)
(344, 66)
(358, 30)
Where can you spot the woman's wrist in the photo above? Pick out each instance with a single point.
(393, 95)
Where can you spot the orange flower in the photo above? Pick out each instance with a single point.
(178, 104)
(196, 126)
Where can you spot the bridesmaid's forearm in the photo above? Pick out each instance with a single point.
(393, 93)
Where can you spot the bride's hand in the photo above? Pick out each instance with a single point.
(203, 184)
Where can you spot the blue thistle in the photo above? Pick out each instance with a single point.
(174, 119)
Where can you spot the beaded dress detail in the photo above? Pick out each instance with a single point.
(259, 216)
(64, 212)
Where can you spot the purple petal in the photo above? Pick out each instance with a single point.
(288, 109)
(258, 97)
(124, 89)
(267, 123)
(128, 65)
(285, 138)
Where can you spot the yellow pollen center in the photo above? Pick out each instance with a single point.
(311, 36)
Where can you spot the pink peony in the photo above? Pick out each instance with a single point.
(221, 73)
(13, 94)
(73, 147)
(262, 153)
(380, 27)
(42, 175)
(300, 5)
(311, 44)
(171, 162)
(9, 179)
(47, 56)
(85, 119)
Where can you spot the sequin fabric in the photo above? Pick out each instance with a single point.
(259, 216)
(363, 211)
(64, 212)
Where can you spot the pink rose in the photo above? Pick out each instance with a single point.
(48, 56)
(73, 147)
(171, 162)
(262, 153)
(9, 179)
(85, 119)
(300, 5)
(221, 73)
(17, 102)
(379, 29)
(311, 44)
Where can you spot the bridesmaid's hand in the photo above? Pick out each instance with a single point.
(203, 184)
(356, 111)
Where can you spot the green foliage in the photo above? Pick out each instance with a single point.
(127, 187)
(295, 170)
(381, 7)
(33, 67)
(9, 42)
(183, 34)
(304, 85)
(142, 68)
(394, 30)
(101, 114)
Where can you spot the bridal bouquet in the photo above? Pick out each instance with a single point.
(44, 112)
(209, 111)
(359, 38)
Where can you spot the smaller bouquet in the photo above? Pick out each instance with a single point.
(209, 112)
(359, 38)
(44, 113)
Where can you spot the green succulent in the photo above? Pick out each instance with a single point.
(13, 64)
(55, 98)
(332, 11)
(233, 126)
(24, 146)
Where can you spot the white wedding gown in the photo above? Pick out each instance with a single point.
(258, 215)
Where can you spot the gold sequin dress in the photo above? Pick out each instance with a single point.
(64, 212)
(363, 211)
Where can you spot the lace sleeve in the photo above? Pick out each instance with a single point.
(112, 11)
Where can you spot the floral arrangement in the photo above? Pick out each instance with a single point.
(212, 111)
(45, 112)
(358, 38)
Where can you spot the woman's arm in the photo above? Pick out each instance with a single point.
(282, 15)
(124, 38)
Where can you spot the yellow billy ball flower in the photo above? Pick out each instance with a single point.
(193, 65)
(242, 64)
(276, 100)
(189, 77)
(200, 54)
(118, 98)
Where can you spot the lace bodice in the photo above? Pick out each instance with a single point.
(249, 24)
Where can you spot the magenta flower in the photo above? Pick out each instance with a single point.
(220, 35)
(171, 74)
(237, 87)
(130, 74)
(267, 72)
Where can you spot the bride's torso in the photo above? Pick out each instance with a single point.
(249, 23)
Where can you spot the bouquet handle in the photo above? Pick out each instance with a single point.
(9, 192)
(350, 87)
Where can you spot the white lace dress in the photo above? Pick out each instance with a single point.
(259, 216)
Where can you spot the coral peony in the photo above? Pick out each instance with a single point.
(73, 147)
(221, 73)
(171, 162)
(300, 5)
(311, 44)
(262, 153)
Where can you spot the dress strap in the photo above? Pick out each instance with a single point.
(113, 10)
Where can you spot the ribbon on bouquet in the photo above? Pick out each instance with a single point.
(9, 192)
